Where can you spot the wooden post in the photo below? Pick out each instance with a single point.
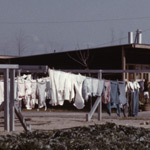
(90, 114)
(123, 63)
(100, 110)
(6, 101)
(12, 113)
(20, 102)
(100, 103)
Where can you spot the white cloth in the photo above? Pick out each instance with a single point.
(69, 92)
(21, 87)
(92, 87)
(33, 89)
(61, 87)
(1, 92)
(28, 91)
(28, 87)
(146, 94)
(41, 91)
(52, 87)
(79, 101)
(132, 86)
(66, 86)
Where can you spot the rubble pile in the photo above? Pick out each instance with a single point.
(98, 137)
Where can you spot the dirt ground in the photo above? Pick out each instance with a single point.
(50, 120)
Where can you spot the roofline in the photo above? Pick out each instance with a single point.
(7, 57)
(142, 46)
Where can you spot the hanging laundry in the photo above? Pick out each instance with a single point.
(60, 87)
(132, 89)
(141, 84)
(1, 92)
(16, 90)
(21, 88)
(34, 93)
(92, 87)
(53, 100)
(146, 90)
(106, 93)
(78, 81)
(66, 86)
(114, 100)
(122, 97)
(28, 92)
(48, 95)
(69, 92)
(41, 93)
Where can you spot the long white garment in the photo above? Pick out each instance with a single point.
(57, 86)
(1, 92)
(69, 92)
(28, 87)
(53, 100)
(33, 89)
(16, 90)
(21, 88)
(66, 86)
(57, 83)
(41, 91)
(79, 101)
(28, 92)
(61, 87)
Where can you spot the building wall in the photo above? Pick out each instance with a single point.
(106, 58)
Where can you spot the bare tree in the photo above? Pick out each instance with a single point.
(82, 57)
(22, 42)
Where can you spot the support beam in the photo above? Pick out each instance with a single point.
(90, 114)
(100, 111)
(12, 87)
(100, 104)
(123, 63)
(6, 101)
(22, 120)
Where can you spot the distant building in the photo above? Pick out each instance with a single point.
(130, 56)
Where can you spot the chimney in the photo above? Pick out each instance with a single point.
(137, 39)
(139, 36)
(130, 38)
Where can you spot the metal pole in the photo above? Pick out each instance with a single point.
(6, 101)
(12, 113)
(100, 103)
(123, 63)
(20, 102)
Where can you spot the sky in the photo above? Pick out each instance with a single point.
(45, 26)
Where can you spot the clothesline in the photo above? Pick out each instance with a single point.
(60, 86)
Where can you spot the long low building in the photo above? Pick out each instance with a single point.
(129, 56)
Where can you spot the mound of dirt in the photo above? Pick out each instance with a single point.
(108, 136)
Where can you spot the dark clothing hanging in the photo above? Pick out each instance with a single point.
(133, 99)
(114, 100)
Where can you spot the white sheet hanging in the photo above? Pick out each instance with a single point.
(66, 86)
(1, 92)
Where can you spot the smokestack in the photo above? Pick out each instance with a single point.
(139, 36)
(130, 38)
